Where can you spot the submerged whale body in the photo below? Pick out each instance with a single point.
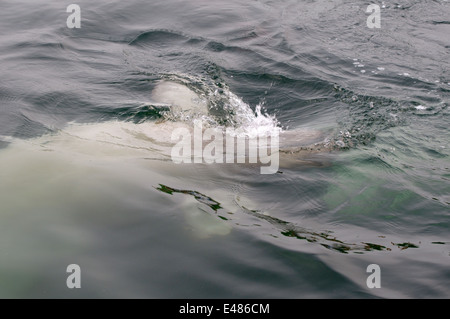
(65, 168)
(153, 139)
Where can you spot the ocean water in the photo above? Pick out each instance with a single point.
(86, 175)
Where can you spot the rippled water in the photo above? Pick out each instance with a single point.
(85, 176)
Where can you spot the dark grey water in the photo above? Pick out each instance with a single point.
(139, 225)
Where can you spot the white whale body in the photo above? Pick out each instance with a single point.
(58, 169)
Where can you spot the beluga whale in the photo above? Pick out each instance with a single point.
(197, 126)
